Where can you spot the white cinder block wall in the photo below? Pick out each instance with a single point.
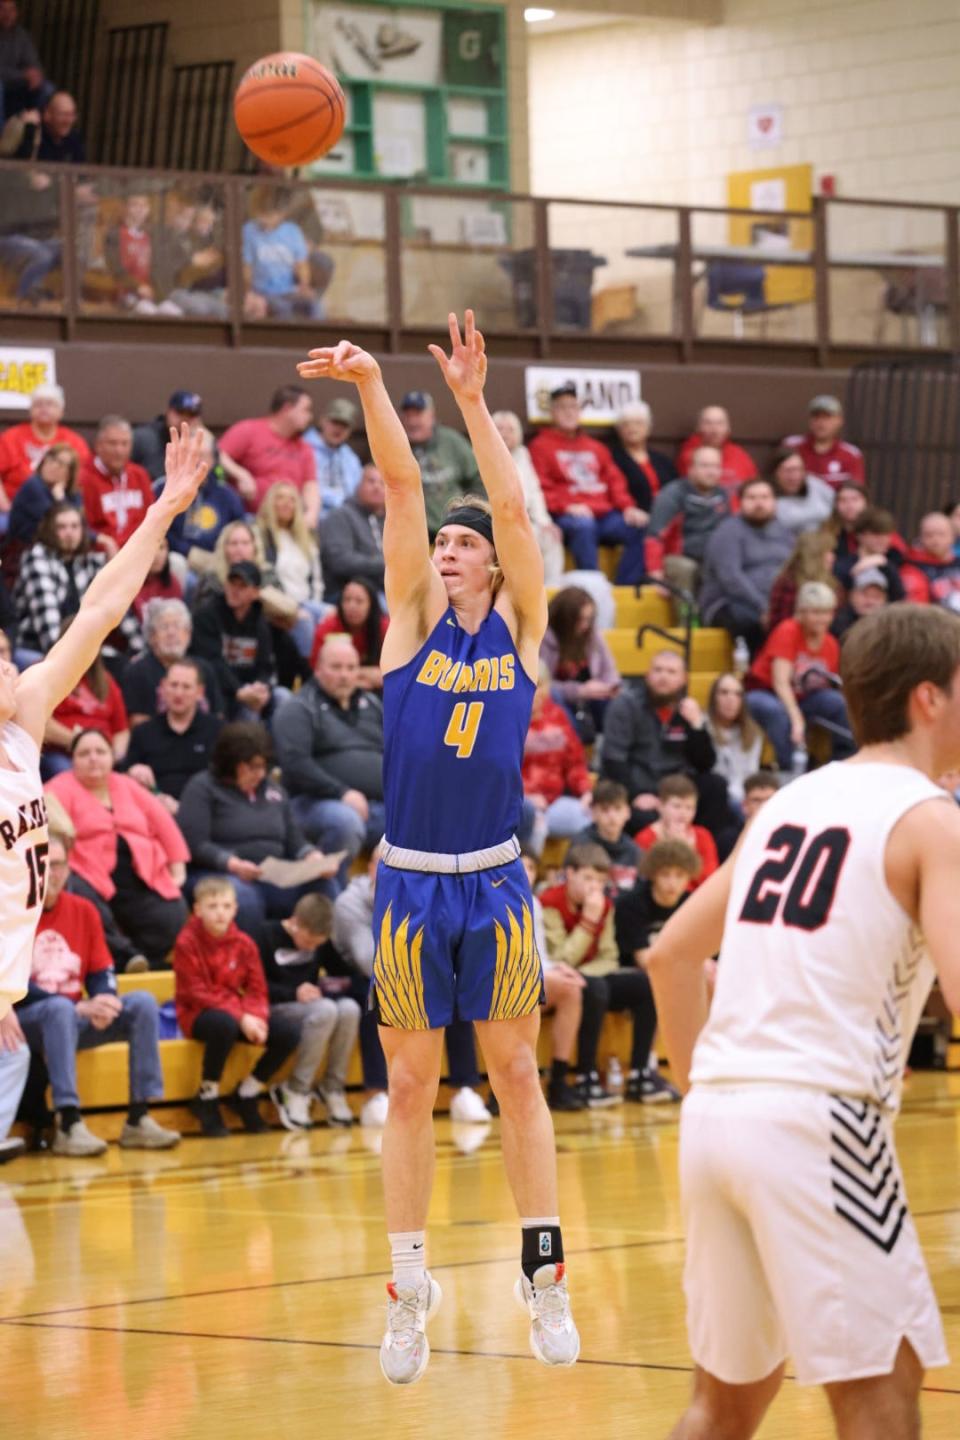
(657, 111)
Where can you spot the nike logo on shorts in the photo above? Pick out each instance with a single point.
(495, 884)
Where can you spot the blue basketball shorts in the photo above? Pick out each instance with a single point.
(454, 946)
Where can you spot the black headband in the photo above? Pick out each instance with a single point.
(472, 518)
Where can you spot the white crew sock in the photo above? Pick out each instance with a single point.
(209, 1090)
(249, 1088)
(409, 1257)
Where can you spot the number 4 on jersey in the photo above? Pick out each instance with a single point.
(463, 727)
(815, 871)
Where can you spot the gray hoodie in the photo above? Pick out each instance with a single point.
(740, 564)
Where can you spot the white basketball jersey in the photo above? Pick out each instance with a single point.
(23, 861)
(822, 975)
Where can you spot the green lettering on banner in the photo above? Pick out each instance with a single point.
(471, 48)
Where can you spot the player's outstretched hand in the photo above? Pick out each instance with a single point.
(185, 466)
(339, 362)
(465, 368)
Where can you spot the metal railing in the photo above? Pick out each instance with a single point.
(843, 281)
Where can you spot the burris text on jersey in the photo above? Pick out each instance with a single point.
(32, 816)
(495, 673)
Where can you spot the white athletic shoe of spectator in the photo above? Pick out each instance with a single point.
(467, 1108)
(554, 1338)
(405, 1349)
(147, 1135)
(374, 1112)
(293, 1107)
(338, 1110)
(77, 1141)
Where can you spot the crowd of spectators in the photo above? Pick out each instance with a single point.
(224, 754)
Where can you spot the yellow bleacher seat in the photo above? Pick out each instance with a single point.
(710, 649)
(158, 982)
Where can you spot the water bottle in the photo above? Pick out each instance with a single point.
(741, 656)
(614, 1076)
(798, 763)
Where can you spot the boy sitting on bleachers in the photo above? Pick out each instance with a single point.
(222, 1000)
(295, 954)
(610, 811)
(678, 805)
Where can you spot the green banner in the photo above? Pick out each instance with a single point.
(471, 48)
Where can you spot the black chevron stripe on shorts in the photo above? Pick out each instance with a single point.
(863, 1172)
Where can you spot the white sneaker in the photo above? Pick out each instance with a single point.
(293, 1107)
(76, 1141)
(468, 1108)
(405, 1349)
(338, 1111)
(148, 1135)
(554, 1338)
(374, 1112)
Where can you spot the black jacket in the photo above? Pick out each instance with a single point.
(325, 750)
(218, 821)
(637, 918)
(284, 980)
(639, 748)
(172, 757)
(637, 481)
(240, 651)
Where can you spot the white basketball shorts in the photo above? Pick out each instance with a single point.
(799, 1240)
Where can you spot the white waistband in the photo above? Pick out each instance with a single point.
(434, 863)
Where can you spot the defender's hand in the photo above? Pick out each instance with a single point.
(339, 362)
(465, 369)
(186, 468)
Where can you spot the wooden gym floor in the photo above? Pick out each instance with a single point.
(233, 1289)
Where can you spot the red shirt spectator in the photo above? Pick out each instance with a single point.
(83, 710)
(931, 571)
(699, 839)
(68, 947)
(713, 428)
(22, 447)
(333, 625)
(217, 973)
(115, 504)
(823, 452)
(272, 448)
(577, 470)
(788, 642)
(554, 762)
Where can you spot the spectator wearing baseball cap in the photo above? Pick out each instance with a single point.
(232, 632)
(22, 447)
(824, 453)
(150, 441)
(870, 591)
(448, 467)
(338, 464)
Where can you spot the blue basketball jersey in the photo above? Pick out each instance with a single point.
(455, 720)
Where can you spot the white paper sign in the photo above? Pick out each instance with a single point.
(602, 393)
(22, 369)
(765, 126)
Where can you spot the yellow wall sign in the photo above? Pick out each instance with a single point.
(22, 369)
(785, 187)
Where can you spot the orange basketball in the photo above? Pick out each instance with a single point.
(289, 109)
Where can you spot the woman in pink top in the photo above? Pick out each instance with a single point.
(129, 857)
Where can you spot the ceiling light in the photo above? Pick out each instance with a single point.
(533, 13)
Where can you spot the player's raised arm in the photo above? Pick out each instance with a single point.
(675, 965)
(406, 542)
(41, 688)
(465, 370)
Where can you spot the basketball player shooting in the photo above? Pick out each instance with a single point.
(453, 921)
(831, 922)
(27, 701)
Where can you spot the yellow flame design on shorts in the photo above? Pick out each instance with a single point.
(398, 976)
(517, 980)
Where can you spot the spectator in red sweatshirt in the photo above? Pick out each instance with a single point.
(222, 1000)
(586, 493)
(823, 452)
(116, 492)
(713, 428)
(23, 446)
(556, 782)
(678, 804)
(931, 571)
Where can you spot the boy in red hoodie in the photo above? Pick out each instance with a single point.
(678, 805)
(221, 997)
